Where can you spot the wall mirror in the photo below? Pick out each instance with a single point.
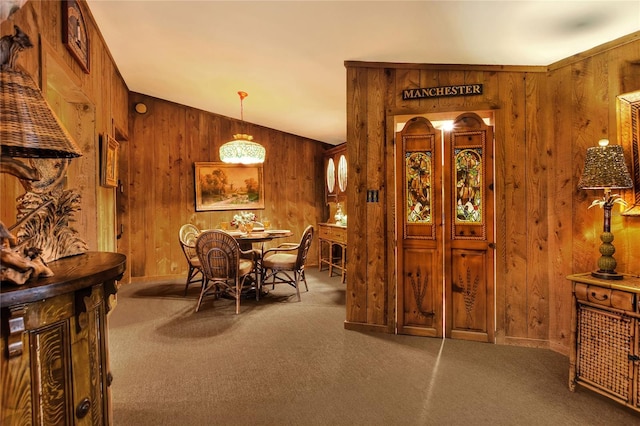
(342, 173)
(629, 131)
(331, 175)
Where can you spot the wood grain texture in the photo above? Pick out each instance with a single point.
(560, 186)
(356, 297)
(515, 206)
(375, 170)
(536, 170)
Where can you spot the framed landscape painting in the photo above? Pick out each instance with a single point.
(222, 186)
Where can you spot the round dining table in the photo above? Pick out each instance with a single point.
(246, 241)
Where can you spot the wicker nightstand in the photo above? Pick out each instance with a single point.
(604, 355)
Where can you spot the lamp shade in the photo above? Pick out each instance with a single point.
(28, 126)
(242, 150)
(604, 167)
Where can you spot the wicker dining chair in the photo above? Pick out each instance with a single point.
(223, 268)
(285, 263)
(188, 235)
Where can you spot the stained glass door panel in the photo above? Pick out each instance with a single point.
(418, 170)
(469, 247)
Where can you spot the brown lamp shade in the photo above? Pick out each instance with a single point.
(604, 167)
(28, 127)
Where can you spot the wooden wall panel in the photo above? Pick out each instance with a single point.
(376, 172)
(138, 176)
(561, 186)
(169, 136)
(536, 212)
(513, 282)
(357, 284)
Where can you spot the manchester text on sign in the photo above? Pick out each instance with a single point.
(436, 92)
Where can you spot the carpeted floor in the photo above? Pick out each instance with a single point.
(281, 362)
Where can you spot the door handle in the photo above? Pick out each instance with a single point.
(492, 246)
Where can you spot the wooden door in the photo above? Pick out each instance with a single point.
(469, 241)
(444, 227)
(419, 229)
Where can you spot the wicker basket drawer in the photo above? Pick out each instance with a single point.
(605, 296)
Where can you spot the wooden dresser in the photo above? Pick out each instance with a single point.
(332, 250)
(54, 368)
(605, 331)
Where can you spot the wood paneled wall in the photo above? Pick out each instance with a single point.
(88, 105)
(545, 119)
(159, 193)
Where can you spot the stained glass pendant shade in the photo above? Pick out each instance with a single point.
(242, 149)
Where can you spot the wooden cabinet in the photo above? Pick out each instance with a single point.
(605, 331)
(54, 368)
(332, 250)
(335, 166)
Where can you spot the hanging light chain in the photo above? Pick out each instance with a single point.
(242, 96)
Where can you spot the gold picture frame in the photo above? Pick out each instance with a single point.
(109, 162)
(222, 186)
(628, 106)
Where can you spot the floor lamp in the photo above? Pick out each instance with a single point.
(604, 168)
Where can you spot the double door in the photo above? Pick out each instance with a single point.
(444, 229)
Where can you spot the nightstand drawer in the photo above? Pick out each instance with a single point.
(605, 296)
(339, 235)
(325, 232)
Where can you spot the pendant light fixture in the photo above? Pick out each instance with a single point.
(242, 149)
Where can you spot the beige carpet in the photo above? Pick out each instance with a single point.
(281, 362)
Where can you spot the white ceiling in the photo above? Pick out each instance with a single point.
(289, 55)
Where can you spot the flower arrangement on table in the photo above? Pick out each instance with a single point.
(243, 218)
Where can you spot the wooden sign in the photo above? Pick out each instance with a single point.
(442, 91)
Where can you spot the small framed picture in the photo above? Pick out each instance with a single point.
(74, 33)
(222, 186)
(109, 162)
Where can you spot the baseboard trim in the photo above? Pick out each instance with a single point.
(359, 326)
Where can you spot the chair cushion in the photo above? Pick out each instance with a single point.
(280, 261)
(195, 261)
(246, 267)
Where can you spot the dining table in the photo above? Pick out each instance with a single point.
(246, 240)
